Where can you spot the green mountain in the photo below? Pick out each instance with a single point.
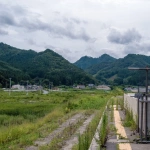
(46, 66)
(7, 71)
(86, 62)
(117, 72)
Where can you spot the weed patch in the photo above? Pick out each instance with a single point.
(25, 118)
(103, 130)
(129, 121)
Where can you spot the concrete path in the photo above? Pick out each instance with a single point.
(118, 124)
(74, 139)
(125, 137)
(94, 145)
(48, 139)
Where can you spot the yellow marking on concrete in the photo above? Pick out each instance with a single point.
(120, 131)
(118, 124)
(125, 146)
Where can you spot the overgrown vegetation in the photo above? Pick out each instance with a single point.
(103, 130)
(112, 114)
(25, 118)
(121, 102)
(59, 140)
(85, 139)
(129, 120)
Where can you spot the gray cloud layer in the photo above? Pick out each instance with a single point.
(131, 35)
(137, 48)
(34, 25)
(29, 22)
(6, 18)
(83, 27)
(2, 32)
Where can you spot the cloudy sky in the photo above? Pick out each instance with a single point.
(75, 28)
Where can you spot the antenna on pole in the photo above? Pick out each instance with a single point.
(145, 102)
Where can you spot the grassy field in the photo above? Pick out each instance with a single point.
(25, 118)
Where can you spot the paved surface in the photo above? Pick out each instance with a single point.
(140, 146)
(128, 136)
(118, 124)
(111, 143)
(131, 146)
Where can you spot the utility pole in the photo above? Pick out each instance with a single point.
(6, 84)
(9, 85)
(49, 86)
(40, 87)
(27, 87)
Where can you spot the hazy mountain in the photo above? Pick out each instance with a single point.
(46, 66)
(86, 62)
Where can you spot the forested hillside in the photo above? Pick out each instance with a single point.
(7, 71)
(117, 72)
(86, 62)
(48, 66)
(43, 66)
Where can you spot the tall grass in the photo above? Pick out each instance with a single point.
(117, 104)
(121, 102)
(103, 130)
(129, 121)
(85, 139)
(24, 118)
(15, 132)
(112, 114)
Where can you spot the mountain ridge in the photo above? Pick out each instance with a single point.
(117, 72)
(47, 66)
(87, 61)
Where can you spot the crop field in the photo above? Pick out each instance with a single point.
(27, 118)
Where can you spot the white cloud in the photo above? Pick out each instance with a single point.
(77, 28)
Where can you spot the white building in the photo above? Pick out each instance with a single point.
(80, 87)
(91, 85)
(17, 87)
(103, 87)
